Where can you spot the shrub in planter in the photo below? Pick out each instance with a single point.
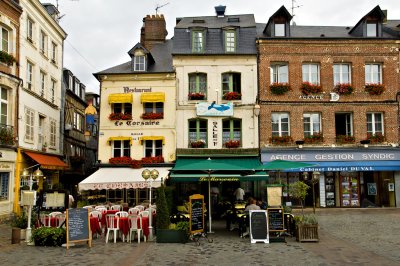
(306, 228)
(49, 236)
(19, 221)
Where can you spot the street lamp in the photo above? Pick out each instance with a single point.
(146, 174)
(33, 177)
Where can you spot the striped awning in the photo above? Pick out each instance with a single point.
(141, 139)
(120, 98)
(152, 97)
(119, 138)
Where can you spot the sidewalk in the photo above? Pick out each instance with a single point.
(347, 236)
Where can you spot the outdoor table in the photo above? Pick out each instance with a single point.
(94, 225)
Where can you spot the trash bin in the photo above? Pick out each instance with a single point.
(16, 235)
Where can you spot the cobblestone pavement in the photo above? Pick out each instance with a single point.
(347, 236)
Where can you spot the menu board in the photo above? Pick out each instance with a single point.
(78, 226)
(55, 199)
(274, 195)
(276, 220)
(196, 210)
(258, 226)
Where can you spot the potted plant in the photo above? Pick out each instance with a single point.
(6, 58)
(19, 223)
(343, 89)
(279, 88)
(49, 236)
(306, 228)
(308, 88)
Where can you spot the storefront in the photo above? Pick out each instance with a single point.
(346, 177)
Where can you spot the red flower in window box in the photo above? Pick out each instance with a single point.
(232, 144)
(120, 116)
(343, 139)
(150, 160)
(196, 96)
(376, 138)
(279, 88)
(343, 89)
(233, 95)
(198, 144)
(314, 138)
(280, 139)
(309, 88)
(152, 116)
(375, 88)
(120, 160)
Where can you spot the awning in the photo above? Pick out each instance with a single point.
(119, 138)
(120, 178)
(349, 166)
(141, 139)
(47, 161)
(152, 97)
(120, 98)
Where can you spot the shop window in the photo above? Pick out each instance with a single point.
(4, 185)
(153, 148)
(121, 148)
(280, 124)
(349, 189)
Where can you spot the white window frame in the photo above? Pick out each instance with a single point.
(339, 73)
(276, 118)
(279, 73)
(5, 40)
(43, 78)
(230, 41)
(372, 119)
(43, 43)
(370, 73)
(198, 41)
(53, 90)
(29, 124)
(53, 132)
(314, 123)
(372, 29)
(3, 116)
(29, 75)
(53, 52)
(153, 148)
(29, 29)
(280, 30)
(309, 73)
(139, 63)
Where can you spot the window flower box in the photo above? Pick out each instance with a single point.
(315, 138)
(376, 138)
(233, 95)
(198, 144)
(120, 116)
(120, 160)
(343, 89)
(6, 58)
(281, 140)
(308, 88)
(375, 88)
(196, 96)
(279, 88)
(343, 139)
(151, 116)
(232, 144)
(150, 160)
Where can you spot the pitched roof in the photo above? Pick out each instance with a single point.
(214, 22)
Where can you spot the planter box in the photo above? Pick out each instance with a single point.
(171, 236)
(307, 233)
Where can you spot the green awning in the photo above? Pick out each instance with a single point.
(246, 168)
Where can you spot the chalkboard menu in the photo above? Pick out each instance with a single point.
(196, 213)
(78, 226)
(275, 220)
(258, 226)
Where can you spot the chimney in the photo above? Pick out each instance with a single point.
(153, 31)
(220, 10)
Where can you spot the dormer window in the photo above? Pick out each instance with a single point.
(372, 29)
(198, 41)
(280, 30)
(140, 63)
(230, 41)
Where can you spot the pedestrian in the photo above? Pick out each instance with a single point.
(71, 201)
(239, 194)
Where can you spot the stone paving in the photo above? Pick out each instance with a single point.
(347, 236)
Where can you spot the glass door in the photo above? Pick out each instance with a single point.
(329, 190)
(350, 189)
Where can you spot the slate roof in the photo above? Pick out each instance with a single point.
(161, 54)
(214, 34)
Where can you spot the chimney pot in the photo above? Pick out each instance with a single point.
(220, 10)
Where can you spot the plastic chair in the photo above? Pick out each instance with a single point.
(53, 214)
(134, 211)
(133, 227)
(116, 207)
(100, 207)
(144, 213)
(60, 219)
(88, 207)
(112, 222)
(140, 207)
(98, 214)
(122, 214)
(45, 219)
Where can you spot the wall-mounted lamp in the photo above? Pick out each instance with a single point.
(300, 143)
(257, 109)
(365, 142)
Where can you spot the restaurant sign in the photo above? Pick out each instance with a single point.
(121, 185)
(218, 179)
(213, 109)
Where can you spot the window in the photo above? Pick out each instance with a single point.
(279, 73)
(76, 86)
(43, 43)
(231, 83)
(41, 130)
(312, 124)
(311, 73)
(375, 123)
(372, 29)
(153, 148)
(3, 107)
(4, 184)
(125, 108)
(5, 36)
(122, 148)
(140, 63)
(280, 124)
(42, 83)
(53, 89)
(78, 121)
(197, 130)
(29, 124)
(82, 91)
(29, 30)
(53, 52)
(53, 132)
(157, 108)
(280, 30)
(198, 83)
(231, 130)
(71, 83)
(344, 124)
(198, 41)
(230, 41)
(373, 73)
(29, 74)
(341, 73)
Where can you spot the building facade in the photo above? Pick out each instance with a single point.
(329, 96)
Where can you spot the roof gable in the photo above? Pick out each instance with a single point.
(375, 14)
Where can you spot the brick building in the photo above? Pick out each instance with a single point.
(329, 96)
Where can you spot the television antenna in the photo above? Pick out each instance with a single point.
(160, 6)
(59, 17)
(294, 6)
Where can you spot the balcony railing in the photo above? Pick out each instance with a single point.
(7, 135)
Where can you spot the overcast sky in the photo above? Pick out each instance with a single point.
(101, 32)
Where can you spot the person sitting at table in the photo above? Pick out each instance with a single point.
(252, 206)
